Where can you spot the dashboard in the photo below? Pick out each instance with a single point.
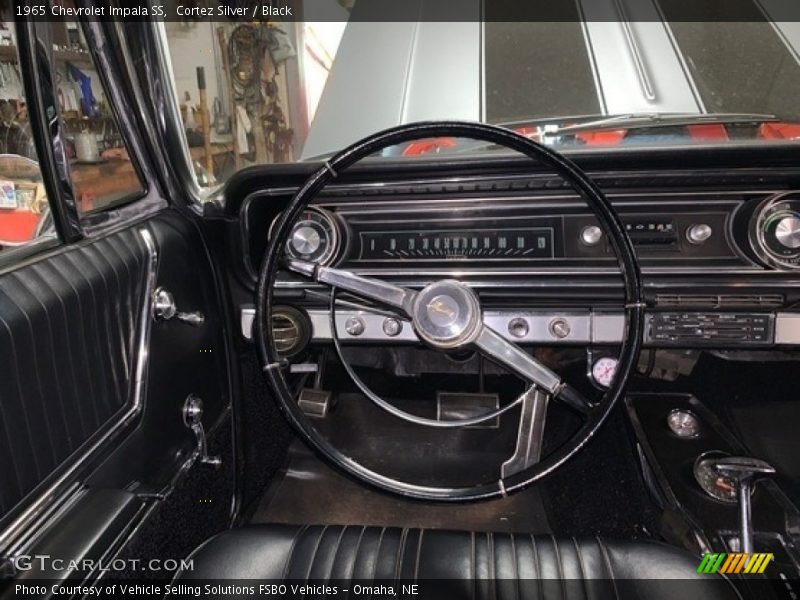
(720, 263)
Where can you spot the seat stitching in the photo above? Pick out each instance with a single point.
(355, 554)
(515, 561)
(607, 560)
(580, 566)
(472, 560)
(377, 553)
(335, 554)
(560, 568)
(419, 552)
(316, 549)
(400, 553)
(297, 534)
(492, 565)
(536, 567)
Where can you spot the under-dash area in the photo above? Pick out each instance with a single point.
(308, 490)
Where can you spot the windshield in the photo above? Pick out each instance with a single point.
(289, 91)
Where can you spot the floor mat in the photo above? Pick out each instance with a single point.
(310, 492)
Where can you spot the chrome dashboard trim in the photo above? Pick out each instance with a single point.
(787, 329)
(586, 327)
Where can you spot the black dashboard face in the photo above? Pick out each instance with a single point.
(719, 262)
(512, 232)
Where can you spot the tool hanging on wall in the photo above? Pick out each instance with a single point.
(253, 55)
(205, 120)
(279, 135)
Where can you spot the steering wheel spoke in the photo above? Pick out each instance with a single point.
(388, 294)
(495, 347)
(530, 434)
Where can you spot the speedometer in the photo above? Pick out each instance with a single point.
(499, 243)
(314, 237)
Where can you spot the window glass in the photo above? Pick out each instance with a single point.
(248, 92)
(284, 90)
(24, 211)
(102, 172)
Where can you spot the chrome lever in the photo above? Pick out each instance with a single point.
(164, 309)
(745, 471)
(192, 418)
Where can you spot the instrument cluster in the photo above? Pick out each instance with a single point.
(708, 232)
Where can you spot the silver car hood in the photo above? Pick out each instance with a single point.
(389, 73)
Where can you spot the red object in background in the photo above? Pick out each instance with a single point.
(528, 132)
(427, 146)
(708, 132)
(17, 226)
(602, 138)
(779, 131)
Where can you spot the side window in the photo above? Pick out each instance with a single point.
(102, 171)
(24, 210)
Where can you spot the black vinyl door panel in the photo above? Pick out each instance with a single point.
(182, 360)
(68, 329)
(92, 386)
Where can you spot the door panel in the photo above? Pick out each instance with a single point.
(181, 360)
(68, 332)
(93, 388)
(93, 438)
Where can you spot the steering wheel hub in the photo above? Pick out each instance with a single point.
(447, 314)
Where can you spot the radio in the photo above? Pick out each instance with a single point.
(711, 328)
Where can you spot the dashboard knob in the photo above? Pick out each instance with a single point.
(306, 240)
(559, 328)
(518, 327)
(591, 235)
(355, 325)
(392, 327)
(788, 232)
(698, 233)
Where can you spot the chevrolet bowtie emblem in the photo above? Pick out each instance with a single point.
(440, 307)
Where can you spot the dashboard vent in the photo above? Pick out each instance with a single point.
(720, 301)
(290, 330)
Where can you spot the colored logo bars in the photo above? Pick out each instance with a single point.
(737, 562)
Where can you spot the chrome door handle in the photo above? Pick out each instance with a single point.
(164, 309)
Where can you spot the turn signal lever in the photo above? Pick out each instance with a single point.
(744, 471)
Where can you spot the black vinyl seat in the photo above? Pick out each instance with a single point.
(465, 564)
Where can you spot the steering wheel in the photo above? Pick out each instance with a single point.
(446, 315)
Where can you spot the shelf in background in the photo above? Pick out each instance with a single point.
(9, 54)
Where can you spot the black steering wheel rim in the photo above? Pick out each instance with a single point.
(273, 363)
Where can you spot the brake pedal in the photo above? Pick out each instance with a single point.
(314, 402)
